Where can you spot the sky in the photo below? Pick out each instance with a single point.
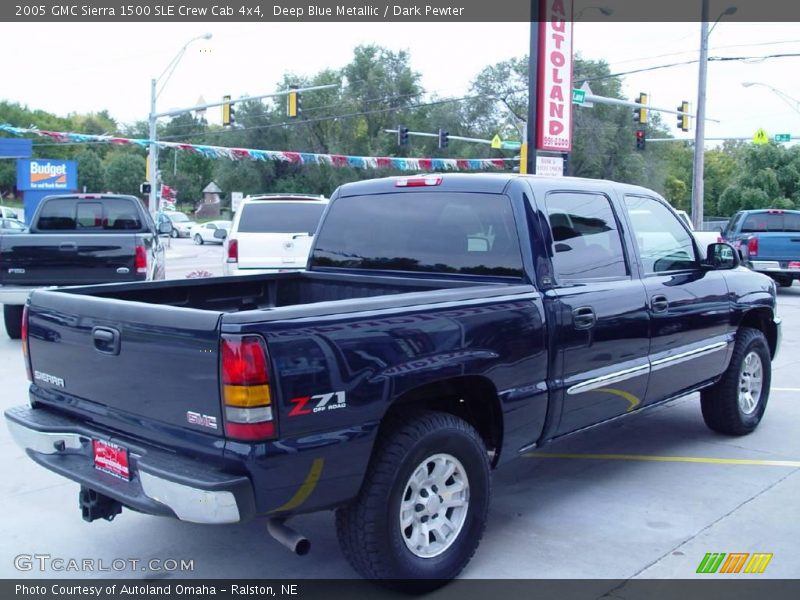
(98, 66)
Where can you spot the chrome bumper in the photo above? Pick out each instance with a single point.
(221, 499)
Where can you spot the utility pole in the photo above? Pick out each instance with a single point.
(700, 124)
(152, 155)
(529, 154)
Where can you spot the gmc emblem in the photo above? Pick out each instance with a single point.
(195, 418)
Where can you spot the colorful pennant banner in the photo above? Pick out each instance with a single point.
(301, 158)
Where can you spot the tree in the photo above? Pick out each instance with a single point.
(124, 173)
(91, 174)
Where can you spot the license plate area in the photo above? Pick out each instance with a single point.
(111, 458)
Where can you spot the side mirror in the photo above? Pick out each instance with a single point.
(221, 234)
(164, 227)
(721, 257)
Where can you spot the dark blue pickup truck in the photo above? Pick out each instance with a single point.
(445, 324)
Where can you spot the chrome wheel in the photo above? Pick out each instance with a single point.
(751, 382)
(434, 505)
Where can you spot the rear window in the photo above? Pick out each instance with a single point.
(781, 222)
(438, 232)
(71, 214)
(281, 217)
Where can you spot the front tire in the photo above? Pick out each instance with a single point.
(423, 505)
(174, 234)
(735, 405)
(197, 239)
(12, 315)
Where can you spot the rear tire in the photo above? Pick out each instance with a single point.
(422, 508)
(783, 281)
(12, 315)
(198, 240)
(736, 404)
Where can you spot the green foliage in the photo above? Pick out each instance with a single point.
(124, 173)
(764, 176)
(91, 173)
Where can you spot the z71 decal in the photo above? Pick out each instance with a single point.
(305, 405)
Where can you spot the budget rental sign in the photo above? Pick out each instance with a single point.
(554, 86)
(45, 174)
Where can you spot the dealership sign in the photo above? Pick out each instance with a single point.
(554, 85)
(46, 175)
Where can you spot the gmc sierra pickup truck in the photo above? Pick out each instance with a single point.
(445, 324)
(78, 239)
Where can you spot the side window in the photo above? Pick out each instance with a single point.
(664, 244)
(586, 241)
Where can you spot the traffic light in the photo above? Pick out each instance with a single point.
(444, 138)
(402, 136)
(683, 119)
(144, 188)
(640, 139)
(228, 114)
(640, 114)
(293, 102)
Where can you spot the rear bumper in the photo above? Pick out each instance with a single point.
(774, 267)
(161, 483)
(16, 295)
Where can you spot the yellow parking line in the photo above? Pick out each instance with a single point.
(686, 459)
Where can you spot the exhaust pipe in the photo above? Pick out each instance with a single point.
(287, 536)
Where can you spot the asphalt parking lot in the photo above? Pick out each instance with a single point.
(643, 497)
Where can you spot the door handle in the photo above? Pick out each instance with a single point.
(659, 303)
(68, 247)
(106, 340)
(583, 317)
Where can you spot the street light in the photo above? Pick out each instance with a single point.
(152, 157)
(700, 124)
(793, 102)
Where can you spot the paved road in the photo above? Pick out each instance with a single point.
(551, 517)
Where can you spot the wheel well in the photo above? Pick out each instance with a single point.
(761, 319)
(471, 398)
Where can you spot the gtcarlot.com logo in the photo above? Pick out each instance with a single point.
(48, 562)
(734, 562)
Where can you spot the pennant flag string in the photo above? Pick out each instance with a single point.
(300, 158)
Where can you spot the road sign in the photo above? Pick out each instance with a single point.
(578, 96)
(783, 137)
(511, 145)
(760, 136)
(585, 87)
(497, 143)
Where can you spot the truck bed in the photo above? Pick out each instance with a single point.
(267, 292)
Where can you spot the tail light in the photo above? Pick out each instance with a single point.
(233, 251)
(424, 181)
(752, 246)
(24, 337)
(141, 259)
(246, 398)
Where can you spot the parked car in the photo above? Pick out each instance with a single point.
(769, 240)
(202, 233)
(12, 226)
(446, 324)
(78, 239)
(8, 213)
(180, 224)
(272, 232)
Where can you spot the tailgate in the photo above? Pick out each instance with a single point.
(778, 246)
(128, 365)
(67, 259)
(273, 250)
